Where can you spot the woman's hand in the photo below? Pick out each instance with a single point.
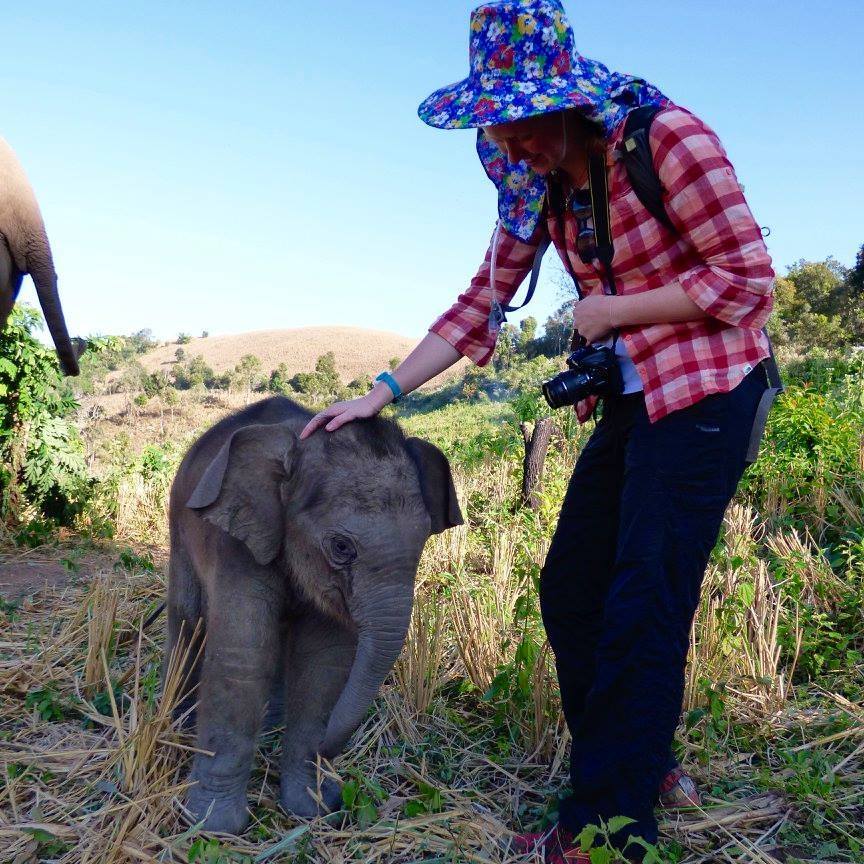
(340, 413)
(592, 317)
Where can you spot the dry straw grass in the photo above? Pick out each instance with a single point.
(105, 780)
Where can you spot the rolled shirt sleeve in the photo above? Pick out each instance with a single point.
(734, 279)
(465, 325)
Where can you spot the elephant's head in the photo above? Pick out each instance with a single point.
(346, 515)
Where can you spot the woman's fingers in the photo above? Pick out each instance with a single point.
(319, 420)
(338, 415)
(340, 420)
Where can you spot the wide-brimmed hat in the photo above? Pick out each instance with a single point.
(523, 62)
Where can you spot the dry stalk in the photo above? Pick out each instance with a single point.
(808, 562)
(479, 634)
(143, 763)
(547, 718)
(762, 651)
(101, 617)
(420, 671)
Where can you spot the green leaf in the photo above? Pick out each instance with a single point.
(616, 823)
(367, 814)
(601, 855)
(747, 593)
(587, 836)
(414, 808)
(349, 793)
(40, 835)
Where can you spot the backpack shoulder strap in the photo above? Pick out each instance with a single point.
(639, 162)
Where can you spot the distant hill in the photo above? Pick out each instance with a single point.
(357, 351)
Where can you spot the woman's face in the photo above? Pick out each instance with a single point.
(538, 140)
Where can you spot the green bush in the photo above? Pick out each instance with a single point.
(41, 455)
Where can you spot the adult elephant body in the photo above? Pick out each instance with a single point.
(24, 249)
(300, 558)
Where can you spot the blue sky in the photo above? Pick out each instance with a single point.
(229, 167)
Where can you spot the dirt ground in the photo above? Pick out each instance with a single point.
(24, 572)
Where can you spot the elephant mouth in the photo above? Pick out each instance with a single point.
(336, 601)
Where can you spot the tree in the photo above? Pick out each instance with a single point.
(279, 381)
(322, 384)
(811, 307)
(527, 332)
(360, 386)
(819, 285)
(505, 347)
(141, 341)
(557, 332)
(249, 373)
(193, 373)
(537, 427)
(853, 311)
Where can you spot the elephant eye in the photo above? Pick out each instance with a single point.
(342, 550)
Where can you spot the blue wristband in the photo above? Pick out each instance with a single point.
(392, 383)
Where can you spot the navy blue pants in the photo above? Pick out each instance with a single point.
(620, 587)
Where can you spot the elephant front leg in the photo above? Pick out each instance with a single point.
(317, 667)
(240, 659)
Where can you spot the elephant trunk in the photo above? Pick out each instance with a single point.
(383, 625)
(41, 267)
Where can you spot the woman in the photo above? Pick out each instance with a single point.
(621, 582)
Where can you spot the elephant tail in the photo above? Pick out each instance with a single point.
(40, 266)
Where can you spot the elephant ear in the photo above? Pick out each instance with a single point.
(436, 484)
(240, 491)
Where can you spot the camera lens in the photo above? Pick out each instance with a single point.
(565, 389)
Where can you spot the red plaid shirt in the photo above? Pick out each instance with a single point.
(717, 255)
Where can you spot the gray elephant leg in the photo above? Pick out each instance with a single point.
(275, 714)
(319, 660)
(184, 611)
(10, 282)
(243, 615)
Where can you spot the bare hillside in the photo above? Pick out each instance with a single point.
(357, 350)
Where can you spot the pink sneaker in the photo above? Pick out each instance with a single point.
(678, 791)
(558, 846)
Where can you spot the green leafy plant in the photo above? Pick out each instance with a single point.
(211, 851)
(362, 796)
(596, 840)
(48, 846)
(47, 703)
(131, 561)
(41, 454)
(428, 800)
(34, 533)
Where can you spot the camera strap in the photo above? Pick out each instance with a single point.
(598, 186)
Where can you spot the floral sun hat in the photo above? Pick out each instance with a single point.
(523, 62)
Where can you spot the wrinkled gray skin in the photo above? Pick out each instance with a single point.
(300, 558)
(24, 248)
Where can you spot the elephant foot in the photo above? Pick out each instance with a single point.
(227, 815)
(295, 799)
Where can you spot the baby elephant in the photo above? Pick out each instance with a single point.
(300, 558)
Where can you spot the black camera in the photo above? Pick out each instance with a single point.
(592, 372)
